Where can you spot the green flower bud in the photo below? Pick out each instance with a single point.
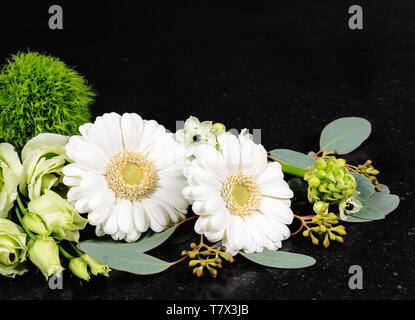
(13, 249)
(44, 254)
(10, 172)
(79, 267)
(320, 164)
(43, 159)
(60, 217)
(314, 182)
(321, 174)
(217, 129)
(35, 223)
(96, 267)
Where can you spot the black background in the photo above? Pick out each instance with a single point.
(285, 67)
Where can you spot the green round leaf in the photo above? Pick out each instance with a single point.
(293, 158)
(345, 134)
(280, 259)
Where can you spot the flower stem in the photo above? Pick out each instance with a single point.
(292, 170)
(79, 252)
(65, 253)
(289, 169)
(21, 206)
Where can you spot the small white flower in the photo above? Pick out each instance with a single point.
(350, 206)
(127, 174)
(195, 134)
(241, 198)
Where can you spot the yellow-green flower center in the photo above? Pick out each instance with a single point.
(241, 194)
(131, 176)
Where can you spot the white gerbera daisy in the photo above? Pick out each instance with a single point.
(127, 174)
(241, 198)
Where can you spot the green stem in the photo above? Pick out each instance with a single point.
(65, 253)
(19, 216)
(79, 252)
(292, 170)
(289, 169)
(21, 206)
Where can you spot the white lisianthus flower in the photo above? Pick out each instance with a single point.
(10, 172)
(241, 198)
(127, 174)
(43, 159)
(194, 134)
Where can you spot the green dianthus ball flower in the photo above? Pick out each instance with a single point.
(40, 93)
(329, 181)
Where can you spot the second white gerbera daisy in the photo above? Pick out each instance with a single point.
(240, 198)
(127, 174)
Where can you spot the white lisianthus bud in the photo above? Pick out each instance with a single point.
(10, 172)
(44, 253)
(95, 266)
(79, 267)
(60, 217)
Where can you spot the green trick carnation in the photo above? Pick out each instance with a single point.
(40, 93)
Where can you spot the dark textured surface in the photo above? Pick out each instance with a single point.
(287, 69)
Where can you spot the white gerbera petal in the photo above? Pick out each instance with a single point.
(240, 199)
(273, 208)
(125, 216)
(231, 150)
(141, 219)
(270, 175)
(132, 128)
(278, 190)
(127, 173)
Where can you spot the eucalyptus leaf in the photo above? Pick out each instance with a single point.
(123, 257)
(345, 134)
(129, 257)
(280, 259)
(151, 240)
(293, 158)
(364, 186)
(384, 188)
